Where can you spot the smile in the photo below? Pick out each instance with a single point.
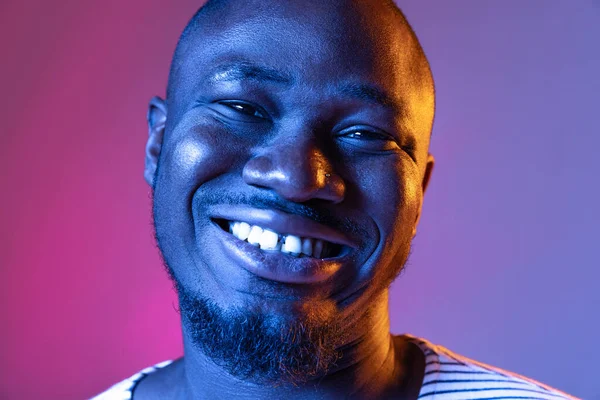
(279, 246)
(269, 240)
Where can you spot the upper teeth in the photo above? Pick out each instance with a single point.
(266, 239)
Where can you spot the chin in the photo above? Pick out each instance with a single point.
(261, 346)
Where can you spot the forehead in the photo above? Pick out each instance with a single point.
(325, 40)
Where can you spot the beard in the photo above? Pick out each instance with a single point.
(254, 346)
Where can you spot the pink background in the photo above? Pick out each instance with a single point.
(505, 266)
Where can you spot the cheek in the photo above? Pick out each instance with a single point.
(392, 198)
(397, 216)
(193, 154)
(187, 154)
(390, 189)
(403, 195)
(389, 192)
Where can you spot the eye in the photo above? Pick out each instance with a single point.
(244, 108)
(366, 135)
(369, 140)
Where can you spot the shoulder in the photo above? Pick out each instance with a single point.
(455, 376)
(124, 389)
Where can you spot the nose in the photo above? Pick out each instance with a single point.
(297, 170)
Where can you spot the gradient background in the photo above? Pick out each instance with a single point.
(505, 266)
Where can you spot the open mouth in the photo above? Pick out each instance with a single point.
(271, 241)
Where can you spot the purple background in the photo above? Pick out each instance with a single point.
(505, 266)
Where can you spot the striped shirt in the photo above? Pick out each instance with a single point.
(448, 376)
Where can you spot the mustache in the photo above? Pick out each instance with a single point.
(310, 209)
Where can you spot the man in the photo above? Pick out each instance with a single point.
(288, 164)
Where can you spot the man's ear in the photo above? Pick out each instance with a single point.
(157, 118)
(424, 184)
(428, 170)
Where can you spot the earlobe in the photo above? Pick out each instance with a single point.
(157, 118)
(424, 185)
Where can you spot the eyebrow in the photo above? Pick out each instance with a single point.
(369, 93)
(239, 71)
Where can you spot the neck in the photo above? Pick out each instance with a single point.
(371, 366)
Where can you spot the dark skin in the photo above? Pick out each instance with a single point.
(324, 105)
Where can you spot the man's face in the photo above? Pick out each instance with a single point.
(310, 124)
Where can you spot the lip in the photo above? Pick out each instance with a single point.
(274, 265)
